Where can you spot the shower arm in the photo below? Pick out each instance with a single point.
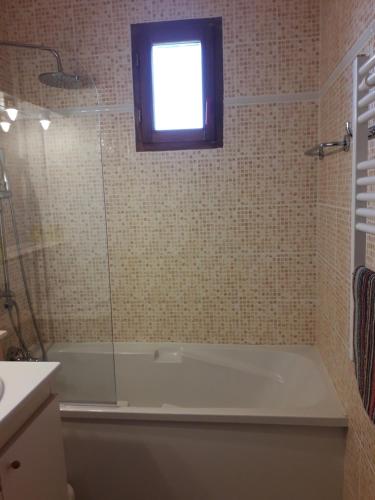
(35, 47)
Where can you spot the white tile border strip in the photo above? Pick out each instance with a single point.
(271, 99)
(228, 102)
(91, 110)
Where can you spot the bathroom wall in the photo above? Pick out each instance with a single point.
(5, 64)
(9, 144)
(342, 25)
(204, 246)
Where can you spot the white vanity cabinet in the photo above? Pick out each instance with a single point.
(32, 463)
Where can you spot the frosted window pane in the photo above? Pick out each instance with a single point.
(177, 86)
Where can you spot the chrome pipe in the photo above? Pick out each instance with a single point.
(25, 281)
(35, 47)
(4, 258)
(10, 302)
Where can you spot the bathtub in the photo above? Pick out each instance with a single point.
(191, 422)
(197, 381)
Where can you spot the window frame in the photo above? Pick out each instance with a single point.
(209, 32)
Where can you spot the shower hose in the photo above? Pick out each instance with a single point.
(11, 304)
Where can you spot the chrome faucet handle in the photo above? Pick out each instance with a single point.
(15, 354)
(18, 354)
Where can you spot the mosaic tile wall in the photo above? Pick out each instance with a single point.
(204, 246)
(7, 143)
(62, 224)
(208, 244)
(342, 23)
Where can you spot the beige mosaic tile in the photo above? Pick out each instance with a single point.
(351, 467)
(341, 24)
(256, 65)
(298, 64)
(200, 242)
(366, 480)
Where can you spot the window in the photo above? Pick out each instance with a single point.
(178, 84)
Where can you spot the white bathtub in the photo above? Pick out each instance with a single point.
(200, 422)
(186, 381)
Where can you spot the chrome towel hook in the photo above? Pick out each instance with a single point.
(328, 148)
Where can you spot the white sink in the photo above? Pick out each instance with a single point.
(24, 386)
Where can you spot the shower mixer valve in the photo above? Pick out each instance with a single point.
(7, 296)
(18, 354)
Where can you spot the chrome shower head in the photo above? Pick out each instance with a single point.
(58, 79)
(61, 80)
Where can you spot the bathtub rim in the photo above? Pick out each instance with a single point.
(117, 412)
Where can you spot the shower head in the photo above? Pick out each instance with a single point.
(58, 79)
(61, 80)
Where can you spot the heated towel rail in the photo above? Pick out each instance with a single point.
(363, 180)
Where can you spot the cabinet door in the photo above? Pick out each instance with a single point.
(32, 466)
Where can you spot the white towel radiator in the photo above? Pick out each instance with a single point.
(362, 195)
